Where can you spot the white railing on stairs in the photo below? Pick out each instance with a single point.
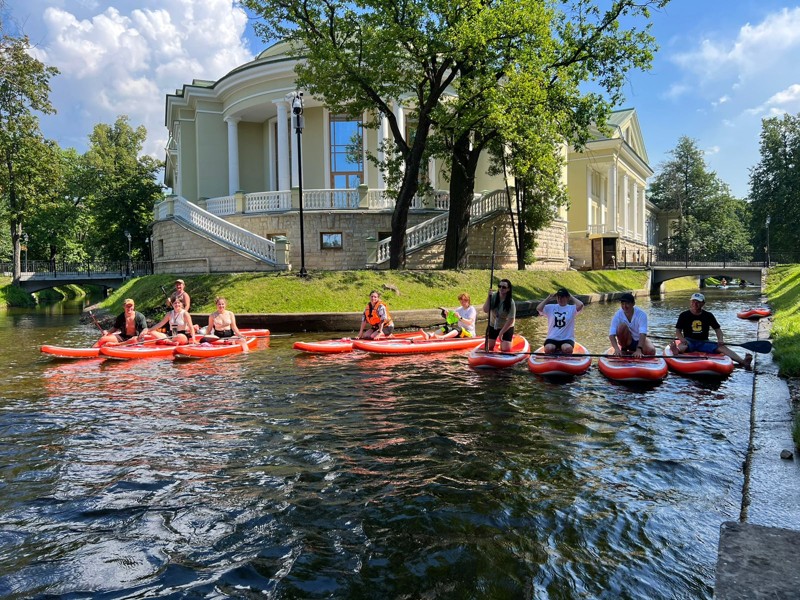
(435, 229)
(227, 233)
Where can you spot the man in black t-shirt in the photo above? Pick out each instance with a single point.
(692, 328)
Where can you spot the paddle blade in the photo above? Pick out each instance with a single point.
(758, 346)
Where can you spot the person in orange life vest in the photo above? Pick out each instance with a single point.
(376, 322)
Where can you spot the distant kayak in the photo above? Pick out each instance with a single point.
(628, 368)
(416, 345)
(754, 313)
(345, 344)
(560, 365)
(496, 359)
(699, 364)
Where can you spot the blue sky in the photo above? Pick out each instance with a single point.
(722, 67)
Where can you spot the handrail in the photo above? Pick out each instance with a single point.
(259, 202)
(224, 231)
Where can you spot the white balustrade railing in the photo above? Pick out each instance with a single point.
(223, 205)
(229, 233)
(268, 201)
(326, 199)
(379, 199)
(163, 210)
(436, 228)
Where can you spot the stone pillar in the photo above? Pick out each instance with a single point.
(241, 202)
(233, 154)
(282, 145)
(295, 198)
(636, 209)
(612, 189)
(282, 248)
(625, 202)
(203, 203)
(363, 196)
(589, 222)
(372, 251)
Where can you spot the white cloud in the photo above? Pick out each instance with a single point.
(124, 59)
(712, 150)
(785, 101)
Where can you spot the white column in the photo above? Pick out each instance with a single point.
(612, 188)
(282, 145)
(589, 199)
(400, 117)
(643, 215)
(293, 145)
(381, 183)
(233, 154)
(636, 229)
(626, 199)
(178, 191)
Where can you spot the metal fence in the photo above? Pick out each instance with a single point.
(88, 269)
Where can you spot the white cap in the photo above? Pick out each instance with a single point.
(699, 297)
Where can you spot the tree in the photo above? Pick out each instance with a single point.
(24, 89)
(709, 218)
(124, 189)
(775, 184)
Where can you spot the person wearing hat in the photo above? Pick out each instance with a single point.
(691, 331)
(560, 321)
(128, 325)
(180, 292)
(628, 331)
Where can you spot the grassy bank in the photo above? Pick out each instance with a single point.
(783, 290)
(348, 291)
(11, 295)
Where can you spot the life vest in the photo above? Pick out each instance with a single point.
(371, 314)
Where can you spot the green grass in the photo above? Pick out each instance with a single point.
(681, 284)
(11, 295)
(348, 291)
(783, 290)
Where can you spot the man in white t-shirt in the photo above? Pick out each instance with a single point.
(628, 331)
(560, 321)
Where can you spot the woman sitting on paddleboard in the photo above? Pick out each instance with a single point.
(376, 322)
(181, 327)
(222, 322)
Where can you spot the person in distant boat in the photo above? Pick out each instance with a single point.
(181, 329)
(128, 325)
(502, 313)
(560, 321)
(628, 331)
(180, 293)
(458, 323)
(723, 282)
(376, 322)
(742, 283)
(222, 322)
(692, 328)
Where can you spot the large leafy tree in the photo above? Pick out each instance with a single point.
(775, 184)
(707, 217)
(24, 91)
(522, 66)
(124, 189)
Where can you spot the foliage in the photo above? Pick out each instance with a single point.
(783, 291)
(775, 184)
(709, 219)
(120, 190)
(12, 295)
(25, 176)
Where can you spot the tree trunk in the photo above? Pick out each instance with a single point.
(462, 190)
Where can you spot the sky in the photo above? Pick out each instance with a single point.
(722, 66)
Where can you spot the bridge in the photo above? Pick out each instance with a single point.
(664, 269)
(41, 275)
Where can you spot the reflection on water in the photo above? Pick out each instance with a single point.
(362, 476)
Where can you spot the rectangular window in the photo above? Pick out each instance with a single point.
(347, 165)
(161, 247)
(330, 241)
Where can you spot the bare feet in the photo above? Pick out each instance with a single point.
(424, 334)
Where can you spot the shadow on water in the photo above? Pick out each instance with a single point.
(359, 476)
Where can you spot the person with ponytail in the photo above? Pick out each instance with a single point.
(502, 314)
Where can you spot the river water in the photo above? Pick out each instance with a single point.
(282, 475)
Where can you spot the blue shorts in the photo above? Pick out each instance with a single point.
(701, 346)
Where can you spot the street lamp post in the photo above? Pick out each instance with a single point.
(128, 268)
(768, 220)
(297, 115)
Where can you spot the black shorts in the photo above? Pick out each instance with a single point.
(225, 333)
(631, 347)
(491, 333)
(559, 343)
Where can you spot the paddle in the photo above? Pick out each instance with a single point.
(758, 346)
(103, 331)
(491, 278)
(242, 340)
(625, 357)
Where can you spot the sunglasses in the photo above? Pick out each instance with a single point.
(502, 287)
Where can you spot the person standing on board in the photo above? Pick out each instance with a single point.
(128, 325)
(180, 292)
(628, 331)
(460, 322)
(376, 322)
(502, 316)
(691, 331)
(560, 321)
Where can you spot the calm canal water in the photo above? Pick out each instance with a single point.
(281, 475)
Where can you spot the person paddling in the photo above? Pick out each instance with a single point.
(128, 325)
(628, 331)
(181, 327)
(692, 328)
(502, 313)
(376, 322)
(181, 294)
(459, 322)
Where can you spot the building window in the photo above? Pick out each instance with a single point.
(347, 164)
(330, 241)
(160, 247)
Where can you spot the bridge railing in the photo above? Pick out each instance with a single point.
(90, 269)
(716, 259)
